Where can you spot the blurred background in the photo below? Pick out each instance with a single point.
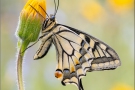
(112, 21)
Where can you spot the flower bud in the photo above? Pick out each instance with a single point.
(30, 20)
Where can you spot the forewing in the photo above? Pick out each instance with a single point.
(103, 56)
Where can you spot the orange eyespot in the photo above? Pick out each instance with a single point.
(58, 74)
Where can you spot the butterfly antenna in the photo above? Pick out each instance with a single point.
(56, 8)
(44, 11)
(37, 11)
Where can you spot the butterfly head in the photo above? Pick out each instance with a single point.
(52, 18)
(48, 23)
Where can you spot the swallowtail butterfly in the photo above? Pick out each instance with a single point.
(77, 51)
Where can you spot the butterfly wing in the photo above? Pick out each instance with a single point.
(102, 52)
(43, 48)
(78, 52)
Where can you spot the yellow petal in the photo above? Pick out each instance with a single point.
(36, 5)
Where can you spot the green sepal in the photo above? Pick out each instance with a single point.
(29, 28)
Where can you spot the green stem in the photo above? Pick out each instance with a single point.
(19, 71)
(19, 64)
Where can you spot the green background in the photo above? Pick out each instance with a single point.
(112, 24)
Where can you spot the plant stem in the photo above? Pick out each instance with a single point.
(19, 65)
(19, 71)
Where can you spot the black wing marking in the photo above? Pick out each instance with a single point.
(78, 52)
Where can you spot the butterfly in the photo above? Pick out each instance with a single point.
(77, 52)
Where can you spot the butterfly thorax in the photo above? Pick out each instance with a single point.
(49, 24)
